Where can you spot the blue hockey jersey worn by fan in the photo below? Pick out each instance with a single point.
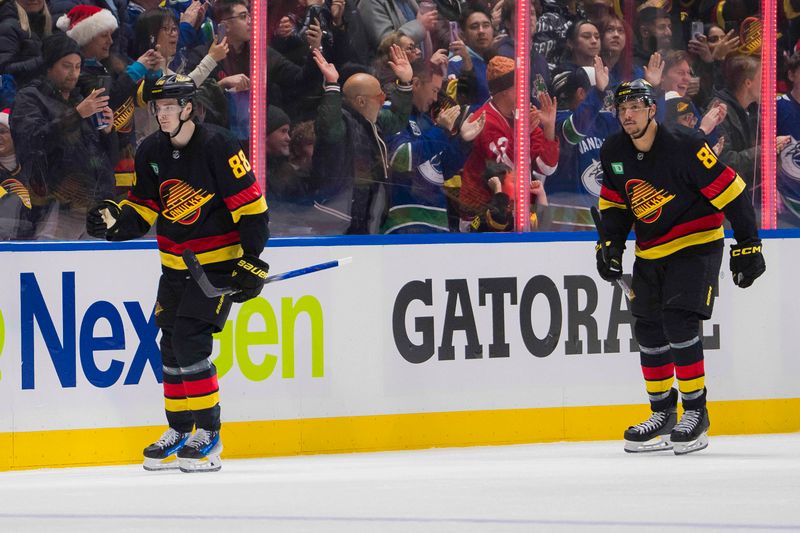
(788, 111)
(575, 187)
(421, 158)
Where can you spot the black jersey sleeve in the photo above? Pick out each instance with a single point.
(717, 182)
(141, 208)
(234, 176)
(617, 218)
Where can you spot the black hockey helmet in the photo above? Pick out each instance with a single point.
(637, 89)
(177, 86)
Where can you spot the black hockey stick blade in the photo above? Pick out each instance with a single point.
(212, 291)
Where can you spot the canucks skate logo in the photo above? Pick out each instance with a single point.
(182, 202)
(790, 161)
(592, 178)
(646, 200)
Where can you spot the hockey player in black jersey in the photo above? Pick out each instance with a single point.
(195, 183)
(674, 191)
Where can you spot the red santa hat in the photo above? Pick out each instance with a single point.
(83, 23)
(4, 115)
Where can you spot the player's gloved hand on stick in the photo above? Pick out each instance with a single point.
(609, 260)
(747, 262)
(101, 219)
(248, 278)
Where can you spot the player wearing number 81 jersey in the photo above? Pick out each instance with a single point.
(671, 188)
(194, 182)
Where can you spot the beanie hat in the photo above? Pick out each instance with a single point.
(4, 116)
(276, 118)
(56, 46)
(500, 74)
(83, 23)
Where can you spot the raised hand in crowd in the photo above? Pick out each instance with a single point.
(726, 45)
(447, 118)
(713, 117)
(654, 69)
(472, 127)
(314, 35)
(694, 86)
(150, 59)
(782, 141)
(698, 45)
(439, 59)
(329, 72)
(534, 118)
(236, 83)
(218, 49)
(94, 103)
(428, 20)
(547, 114)
(538, 193)
(720, 145)
(600, 74)
(398, 62)
(337, 12)
(458, 48)
(285, 28)
(497, 14)
(194, 14)
(108, 118)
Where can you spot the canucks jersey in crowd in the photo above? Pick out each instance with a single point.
(788, 111)
(575, 187)
(421, 158)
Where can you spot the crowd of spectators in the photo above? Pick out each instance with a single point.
(383, 116)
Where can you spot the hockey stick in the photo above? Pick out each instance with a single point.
(211, 291)
(598, 223)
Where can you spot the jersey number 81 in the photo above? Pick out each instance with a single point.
(239, 164)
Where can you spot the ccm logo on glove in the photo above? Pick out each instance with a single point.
(746, 251)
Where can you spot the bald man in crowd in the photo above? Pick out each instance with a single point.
(350, 154)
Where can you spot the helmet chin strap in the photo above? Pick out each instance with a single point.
(177, 130)
(644, 131)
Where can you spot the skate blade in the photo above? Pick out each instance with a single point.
(700, 443)
(210, 463)
(154, 465)
(656, 444)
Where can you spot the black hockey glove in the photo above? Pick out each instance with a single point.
(101, 218)
(248, 278)
(609, 261)
(747, 262)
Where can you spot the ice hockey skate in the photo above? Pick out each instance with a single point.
(162, 454)
(653, 435)
(201, 452)
(691, 433)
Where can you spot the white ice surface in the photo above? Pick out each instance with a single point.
(745, 483)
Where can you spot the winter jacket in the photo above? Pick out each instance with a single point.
(69, 159)
(381, 17)
(21, 42)
(15, 205)
(741, 149)
(351, 160)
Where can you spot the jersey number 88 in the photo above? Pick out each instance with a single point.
(239, 164)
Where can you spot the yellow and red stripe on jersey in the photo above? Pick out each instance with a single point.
(147, 209)
(212, 249)
(249, 201)
(699, 231)
(724, 189)
(611, 198)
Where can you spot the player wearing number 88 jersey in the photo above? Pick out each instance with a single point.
(671, 188)
(195, 182)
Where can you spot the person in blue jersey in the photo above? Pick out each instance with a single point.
(422, 157)
(582, 125)
(788, 130)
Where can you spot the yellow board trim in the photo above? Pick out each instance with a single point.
(691, 385)
(725, 197)
(655, 387)
(204, 402)
(79, 447)
(673, 246)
